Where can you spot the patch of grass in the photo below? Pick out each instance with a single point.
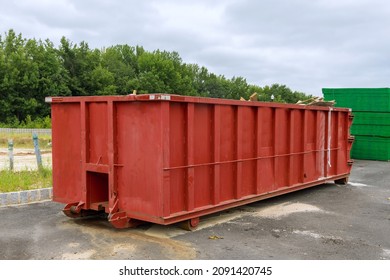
(24, 140)
(25, 180)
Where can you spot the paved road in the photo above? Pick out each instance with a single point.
(325, 222)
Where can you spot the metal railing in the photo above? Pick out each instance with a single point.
(26, 130)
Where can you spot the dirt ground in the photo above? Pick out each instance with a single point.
(24, 159)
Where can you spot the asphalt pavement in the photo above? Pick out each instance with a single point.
(325, 222)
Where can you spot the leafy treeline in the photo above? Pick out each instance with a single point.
(32, 69)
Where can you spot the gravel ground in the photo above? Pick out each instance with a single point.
(24, 159)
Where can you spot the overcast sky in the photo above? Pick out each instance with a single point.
(304, 44)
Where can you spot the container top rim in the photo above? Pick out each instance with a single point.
(163, 97)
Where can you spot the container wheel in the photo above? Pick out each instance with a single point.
(73, 210)
(71, 213)
(190, 224)
(342, 181)
(120, 220)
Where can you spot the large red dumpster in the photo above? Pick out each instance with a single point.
(167, 158)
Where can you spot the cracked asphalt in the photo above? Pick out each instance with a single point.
(324, 222)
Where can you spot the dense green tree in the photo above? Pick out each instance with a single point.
(32, 69)
(51, 77)
(19, 78)
(283, 94)
(80, 62)
(121, 61)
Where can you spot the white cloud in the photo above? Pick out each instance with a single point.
(304, 44)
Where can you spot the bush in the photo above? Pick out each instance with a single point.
(27, 123)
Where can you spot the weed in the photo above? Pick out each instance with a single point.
(24, 140)
(25, 180)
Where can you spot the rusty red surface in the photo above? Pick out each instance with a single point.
(168, 158)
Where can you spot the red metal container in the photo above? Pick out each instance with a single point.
(167, 158)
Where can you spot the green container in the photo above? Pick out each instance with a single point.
(371, 118)
(371, 124)
(371, 147)
(370, 130)
(360, 99)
